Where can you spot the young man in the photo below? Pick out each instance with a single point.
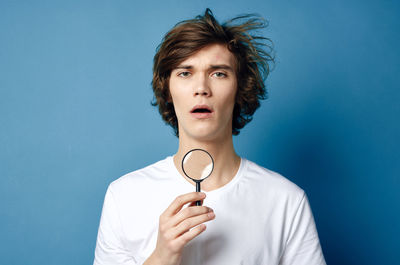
(208, 80)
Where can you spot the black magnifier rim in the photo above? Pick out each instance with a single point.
(197, 149)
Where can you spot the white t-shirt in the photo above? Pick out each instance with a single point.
(261, 218)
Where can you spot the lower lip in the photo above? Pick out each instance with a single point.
(201, 115)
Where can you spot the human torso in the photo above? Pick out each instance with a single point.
(252, 210)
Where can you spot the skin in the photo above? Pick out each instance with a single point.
(197, 80)
(206, 78)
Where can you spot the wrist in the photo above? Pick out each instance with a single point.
(156, 259)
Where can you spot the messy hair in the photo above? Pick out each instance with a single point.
(253, 55)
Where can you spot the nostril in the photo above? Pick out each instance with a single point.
(201, 93)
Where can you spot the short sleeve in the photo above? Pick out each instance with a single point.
(109, 246)
(303, 246)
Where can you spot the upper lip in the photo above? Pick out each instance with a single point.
(203, 106)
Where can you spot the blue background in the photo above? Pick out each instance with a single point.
(75, 115)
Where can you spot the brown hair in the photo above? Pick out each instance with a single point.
(253, 56)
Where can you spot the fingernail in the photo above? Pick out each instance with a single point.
(211, 215)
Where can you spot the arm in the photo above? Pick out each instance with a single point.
(302, 246)
(178, 227)
(109, 247)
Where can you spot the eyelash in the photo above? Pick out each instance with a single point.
(187, 74)
(220, 73)
(182, 74)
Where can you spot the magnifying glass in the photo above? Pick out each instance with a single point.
(197, 164)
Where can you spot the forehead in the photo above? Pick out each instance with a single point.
(214, 54)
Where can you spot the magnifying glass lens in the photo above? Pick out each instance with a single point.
(197, 165)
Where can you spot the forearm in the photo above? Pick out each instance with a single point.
(156, 260)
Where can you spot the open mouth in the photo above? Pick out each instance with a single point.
(201, 110)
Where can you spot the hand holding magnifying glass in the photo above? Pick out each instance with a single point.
(197, 165)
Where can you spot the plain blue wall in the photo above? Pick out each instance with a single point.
(75, 114)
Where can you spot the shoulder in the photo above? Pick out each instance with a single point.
(271, 182)
(139, 180)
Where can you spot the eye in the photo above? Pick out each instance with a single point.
(219, 74)
(184, 74)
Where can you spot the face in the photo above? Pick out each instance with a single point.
(203, 90)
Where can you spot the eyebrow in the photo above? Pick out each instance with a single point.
(222, 66)
(213, 67)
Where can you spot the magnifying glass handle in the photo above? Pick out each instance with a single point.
(198, 203)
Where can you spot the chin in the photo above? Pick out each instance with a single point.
(203, 137)
(206, 134)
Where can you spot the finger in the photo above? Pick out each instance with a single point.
(194, 203)
(189, 235)
(189, 223)
(187, 213)
(181, 200)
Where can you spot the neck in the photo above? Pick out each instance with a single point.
(226, 161)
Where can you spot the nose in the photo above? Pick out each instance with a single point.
(202, 87)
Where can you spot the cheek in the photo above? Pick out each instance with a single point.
(178, 99)
(173, 92)
(232, 97)
(177, 89)
(228, 104)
